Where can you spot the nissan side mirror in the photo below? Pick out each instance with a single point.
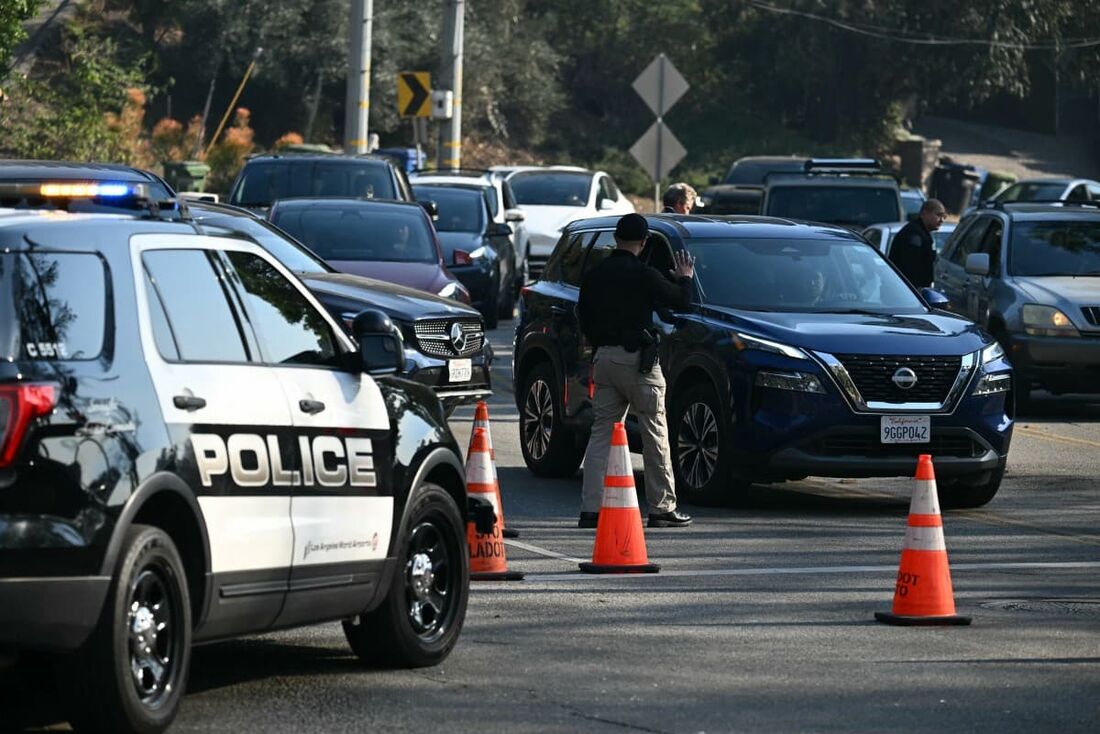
(515, 215)
(381, 348)
(977, 263)
(934, 298)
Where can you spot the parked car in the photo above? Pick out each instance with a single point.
(267, 178)
(388, 240)
(742, 189)
(911, 201)
(444, 340)
(502, 205)
(193, 450)
(882, 235)
(804, 352)
(477, 249)
(554, 196)
(1050, 189)
(1030, 274)
(850, 193)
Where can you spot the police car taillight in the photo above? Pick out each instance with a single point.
(20, 405)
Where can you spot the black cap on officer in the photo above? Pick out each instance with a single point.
(632, 228)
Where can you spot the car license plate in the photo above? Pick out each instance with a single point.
(460, 370)
(906, 428)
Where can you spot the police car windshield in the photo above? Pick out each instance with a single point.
(551, 188)
(263, 183)
(812, 276)
(271, 238)
(460, 210)
(361, 232)
(847, 205)
(1055, 248)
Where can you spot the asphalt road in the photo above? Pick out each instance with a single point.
(762, 618)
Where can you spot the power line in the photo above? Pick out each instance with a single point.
(902, 36)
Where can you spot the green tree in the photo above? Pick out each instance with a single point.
(13, 13)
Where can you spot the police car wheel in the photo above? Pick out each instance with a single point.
(418, 622)
(549, 448)
(131, 674)
(697, 437)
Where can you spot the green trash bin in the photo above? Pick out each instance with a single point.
(995, 181)
(186, 175)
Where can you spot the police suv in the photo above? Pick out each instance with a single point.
(191, 448)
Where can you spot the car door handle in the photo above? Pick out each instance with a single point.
(188, 402)
(559, 309)
(311, 407)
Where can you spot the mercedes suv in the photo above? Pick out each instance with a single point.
(804, 352)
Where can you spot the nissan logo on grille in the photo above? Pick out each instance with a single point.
(458, 339)
(904, 378)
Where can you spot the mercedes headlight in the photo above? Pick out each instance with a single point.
(1047, 321)
(744, 341)
(450, 290)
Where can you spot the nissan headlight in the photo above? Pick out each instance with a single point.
(744, 341)
(992, 353)
(793, 381)
(1047, 321)
(992, 382)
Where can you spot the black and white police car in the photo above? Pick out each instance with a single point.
(191, 448)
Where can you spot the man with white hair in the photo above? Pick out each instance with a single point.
(679, 198)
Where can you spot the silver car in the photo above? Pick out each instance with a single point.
(1030, 274)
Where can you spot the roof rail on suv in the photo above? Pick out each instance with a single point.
(1000, 205)
(838, 167)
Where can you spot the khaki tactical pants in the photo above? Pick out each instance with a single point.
(619, 385)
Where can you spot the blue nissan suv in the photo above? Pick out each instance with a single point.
(804, 352)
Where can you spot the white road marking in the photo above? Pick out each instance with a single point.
(542, 551)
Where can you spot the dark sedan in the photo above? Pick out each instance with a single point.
(387, 240)
(476, 249)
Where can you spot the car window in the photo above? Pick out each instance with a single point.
(874, 236)
(162, 331)
(991, 244)
(601, 247)
(460, 210)
(657, 254)
(287, 251)
(290, 329)
(1094, 191)
(1078, 193)
(203, 327)
(572, 258)
(263, 183)
(551, 188)
(60, 300)
(1032, 191)
(1055, 248)
(492, 199)
(858, 206)
(612, 189)
(604, 191)
(804, 275)
(360, 234)
(970, 241)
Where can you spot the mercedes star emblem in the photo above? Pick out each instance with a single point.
(904, 378)
(458, 339)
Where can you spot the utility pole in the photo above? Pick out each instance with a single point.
(358, 95)
(450, 75)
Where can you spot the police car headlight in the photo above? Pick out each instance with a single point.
(744, 341)
(794, 381)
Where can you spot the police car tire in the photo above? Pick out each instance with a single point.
(563, 454)
(97, 680)
(385, 637)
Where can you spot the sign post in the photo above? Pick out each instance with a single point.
(658, 151)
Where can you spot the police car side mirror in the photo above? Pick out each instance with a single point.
(380, 345)
(977, 263)
(515, 215)
(934, 298)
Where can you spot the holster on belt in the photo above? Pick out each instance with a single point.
(649, 348)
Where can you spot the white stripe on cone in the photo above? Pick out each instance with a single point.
(620, 497)
(618, 463)
(925, 538)
(925, 499)
(488, 441)
(478, 469)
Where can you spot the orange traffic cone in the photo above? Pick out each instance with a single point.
(923, 594)
(481, 420)
(487, 559)
(620, 542)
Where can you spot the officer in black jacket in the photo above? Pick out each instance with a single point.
(615, 309)
(912, 249)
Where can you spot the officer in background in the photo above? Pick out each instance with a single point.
(615, 309)
(679, 198)
(912, 249)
